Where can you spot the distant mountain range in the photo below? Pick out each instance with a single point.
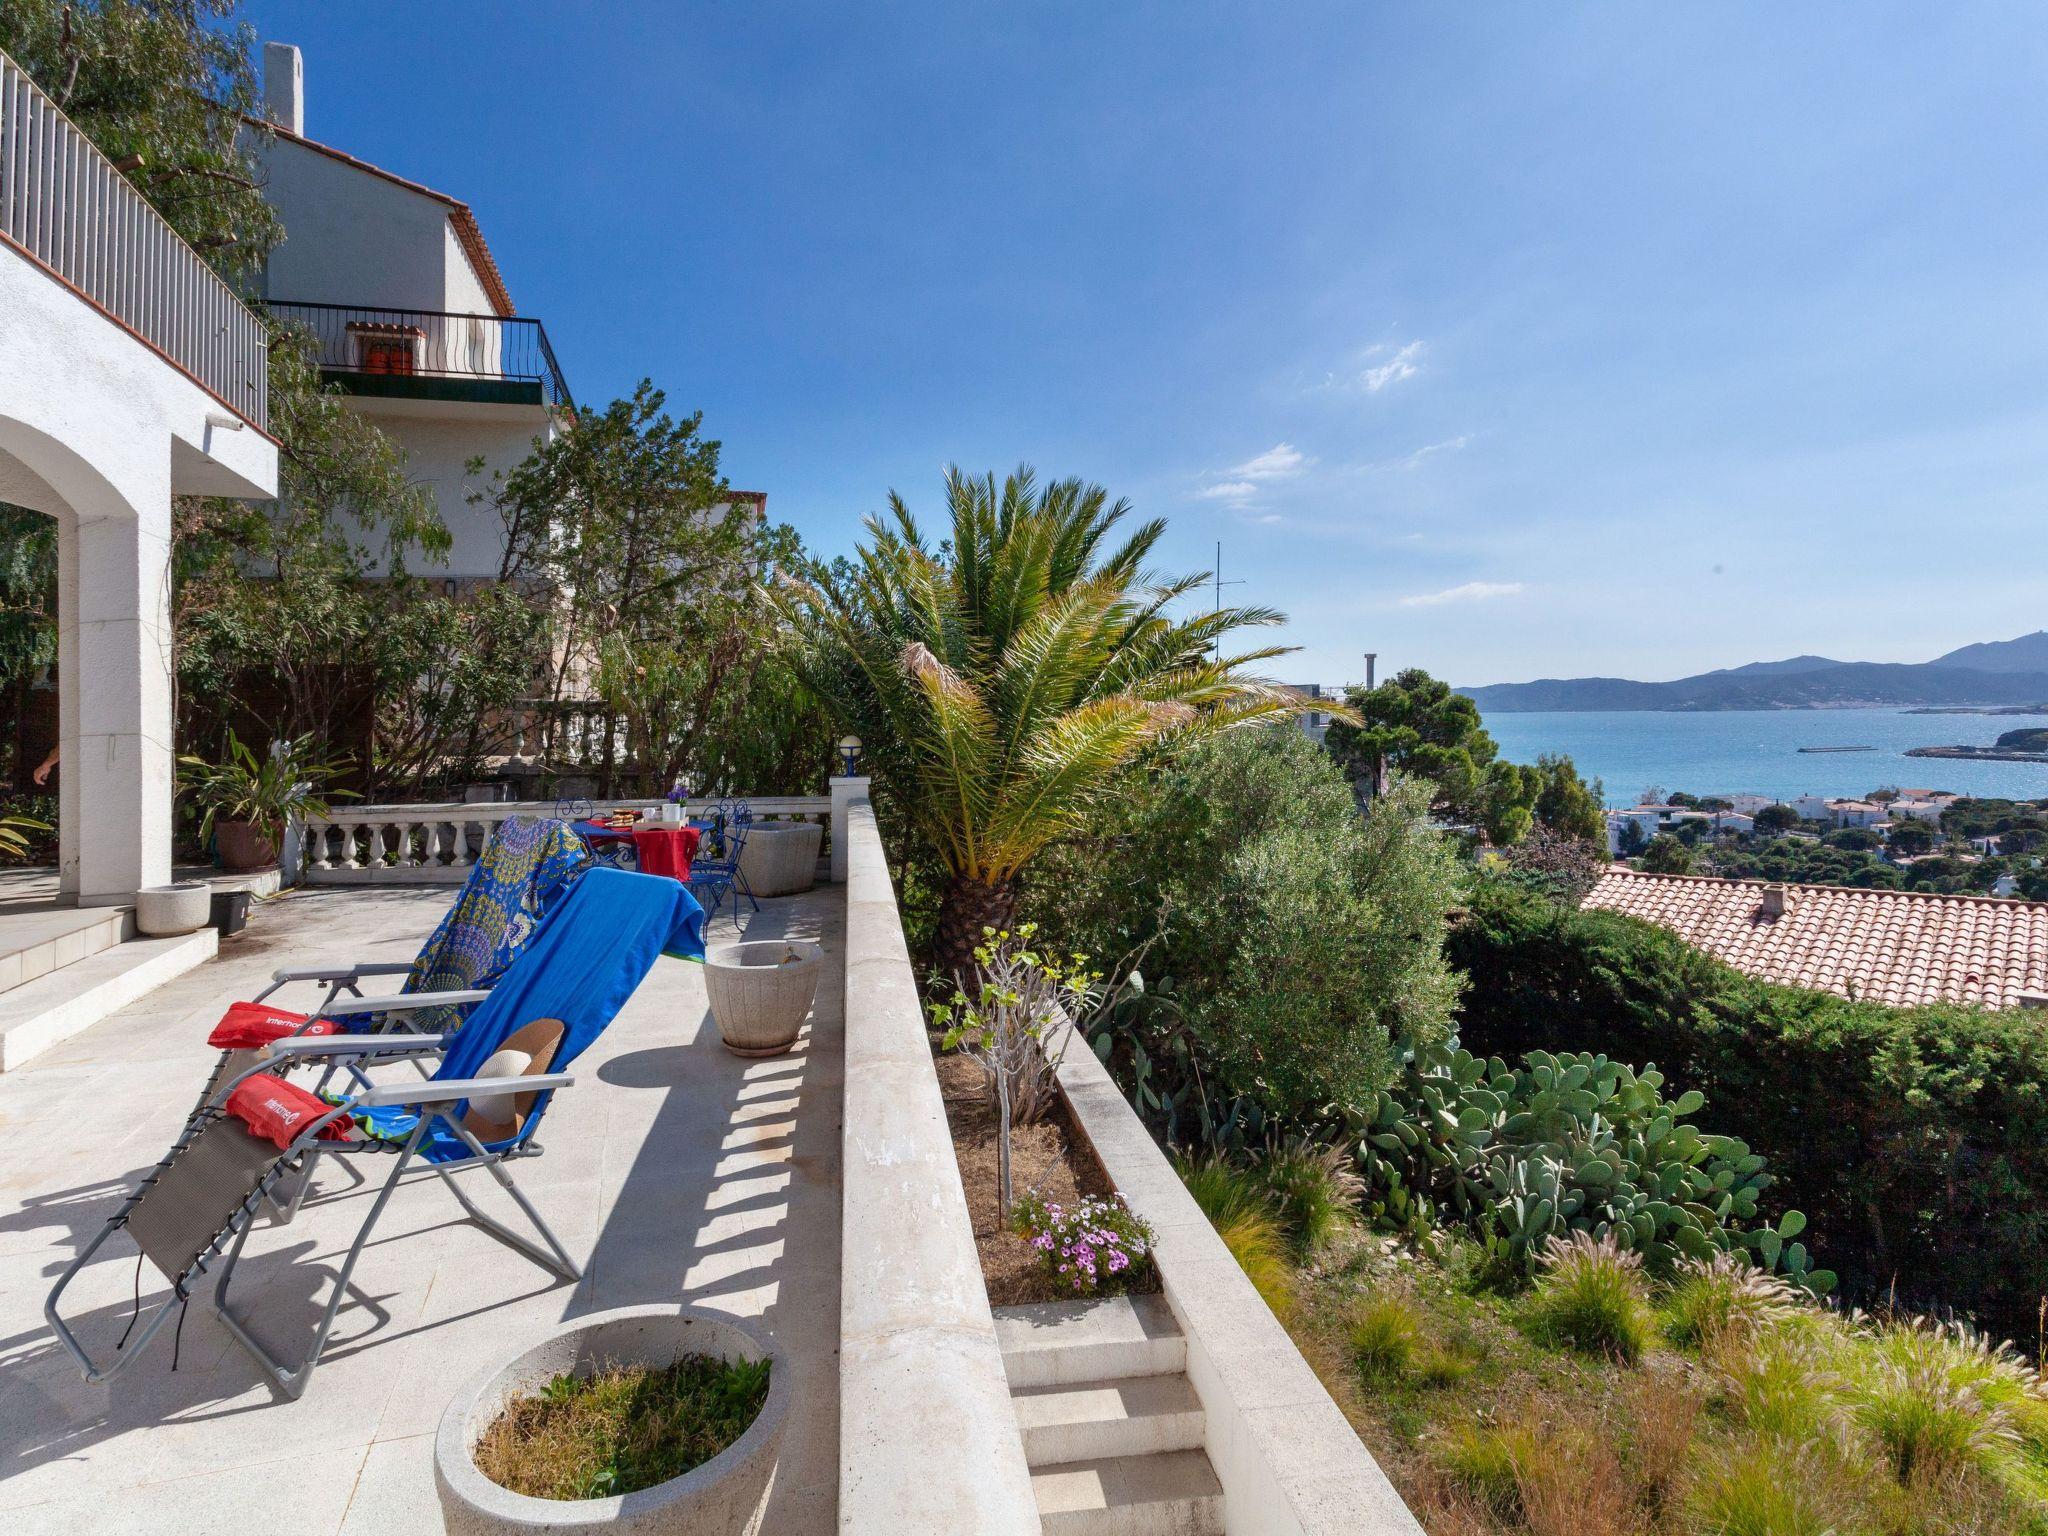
(1992, 673)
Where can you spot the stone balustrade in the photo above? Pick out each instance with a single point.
(437, 843)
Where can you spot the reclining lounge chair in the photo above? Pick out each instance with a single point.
(490, 1088)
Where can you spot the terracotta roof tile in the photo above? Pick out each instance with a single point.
(1898, 947)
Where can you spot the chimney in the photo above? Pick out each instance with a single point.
(284, 87)
(1371, 663)
(1777, 900)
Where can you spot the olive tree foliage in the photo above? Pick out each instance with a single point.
(660, 610)
(1281, 939)
(161, 87)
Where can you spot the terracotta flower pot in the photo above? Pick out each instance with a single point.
(245, 845)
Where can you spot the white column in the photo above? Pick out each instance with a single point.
(114, 672)
(844, 792)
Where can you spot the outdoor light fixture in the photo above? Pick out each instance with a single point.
(849, 754)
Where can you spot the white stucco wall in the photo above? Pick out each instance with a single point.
(439, 438)
(100, 432)
(353, 237)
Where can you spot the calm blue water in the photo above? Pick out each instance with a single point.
(1736, 750)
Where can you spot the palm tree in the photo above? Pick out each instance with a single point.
(1001, 679)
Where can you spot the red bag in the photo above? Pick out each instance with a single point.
(245, 1026)
(279, 1111)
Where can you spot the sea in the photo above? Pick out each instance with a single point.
(1732, 751)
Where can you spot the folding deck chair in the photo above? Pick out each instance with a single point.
(490, 1088)
(526, 865)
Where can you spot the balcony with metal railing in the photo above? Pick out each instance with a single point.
(424, 354)
(66, 208)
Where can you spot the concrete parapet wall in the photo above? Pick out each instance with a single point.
(1289, 1461)
(928, 1441)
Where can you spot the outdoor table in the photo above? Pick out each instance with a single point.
(652, 847)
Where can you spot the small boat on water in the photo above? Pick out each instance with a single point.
(1838, 749)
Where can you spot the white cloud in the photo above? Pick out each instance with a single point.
(1470, 592)
(1276, 463)
(1426, 452)
(1402, 365)
(1271, 518)
(1229, 490)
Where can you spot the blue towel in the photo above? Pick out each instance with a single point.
(591, 952)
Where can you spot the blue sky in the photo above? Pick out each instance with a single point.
(1505, 340)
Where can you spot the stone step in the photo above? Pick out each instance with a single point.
(1175, 1494)
(1064, 1342)
(42, 939)
(54, 1007)
(1136, 1416)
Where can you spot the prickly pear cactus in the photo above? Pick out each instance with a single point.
(1565, 1143)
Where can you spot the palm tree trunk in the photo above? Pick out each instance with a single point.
(969, 905)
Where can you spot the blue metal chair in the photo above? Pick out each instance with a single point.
(713, 878)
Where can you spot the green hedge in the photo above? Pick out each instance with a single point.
(1916, 1140)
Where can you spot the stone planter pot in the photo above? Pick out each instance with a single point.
(721, 1498)
(162, 910)
(244, 845)
(781, 858)
(761, 993)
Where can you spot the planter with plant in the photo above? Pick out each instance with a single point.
(641, 1419)
(248, 800)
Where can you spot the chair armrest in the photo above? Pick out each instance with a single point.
(354, 1045)
(441, 1092)
(404, 1002)
(342, 972)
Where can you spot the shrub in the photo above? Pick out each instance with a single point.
(1484, 1457)
(1315, 1191)
(1765, 1490)
(1591, 1297)
(1722, 1297)
(1385, 1337)
(1915, 1139)
(1096, 1247)
(1285, 941)
(1941, 1400)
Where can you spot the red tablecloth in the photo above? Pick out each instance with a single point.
(659, 848)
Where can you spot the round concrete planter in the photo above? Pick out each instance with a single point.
(162, 910)
(721, 1498)
(781, 858)
(761, 993)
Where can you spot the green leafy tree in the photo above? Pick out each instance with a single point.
(1775, 820)
(1666, 855)
(1414, 724)
(661, 609)
(1910, 835)
(1003, 677)
(1566, 804)
(1633, 839)
(161, 87)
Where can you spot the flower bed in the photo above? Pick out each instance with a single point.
(1050, 1166)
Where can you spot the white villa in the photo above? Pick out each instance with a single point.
(412, 315)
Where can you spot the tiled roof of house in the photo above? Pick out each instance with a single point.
(1898, 947)
(467, 230)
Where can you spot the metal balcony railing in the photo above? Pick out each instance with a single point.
(428, 353)
(65, 207)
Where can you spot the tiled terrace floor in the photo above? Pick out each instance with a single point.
(674, 1171)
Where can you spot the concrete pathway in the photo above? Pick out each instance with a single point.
(674, 1171)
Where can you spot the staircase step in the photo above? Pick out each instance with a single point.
(1065, 1342)
(43, 939)
(1175, 1494)
(1136, 1416)
(54, 1007)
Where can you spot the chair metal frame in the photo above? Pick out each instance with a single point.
(723, 874)
(435, 1100)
